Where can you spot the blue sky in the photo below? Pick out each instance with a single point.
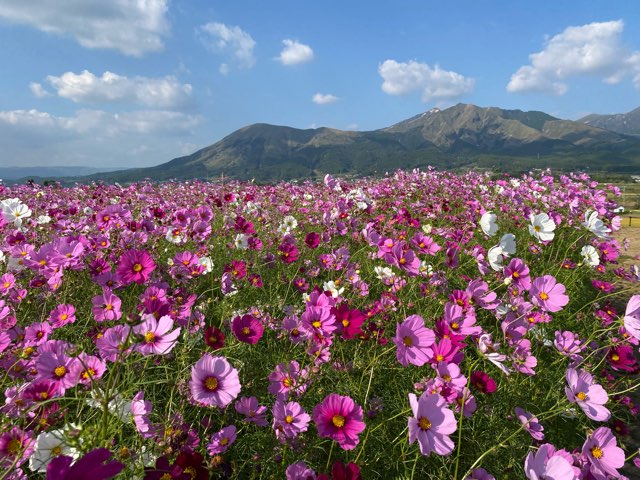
(123, 83)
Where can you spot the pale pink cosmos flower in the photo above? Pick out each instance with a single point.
(157, 337)
(413, 340)
(289, 419)
(548, 294)
(632, 317)
(214, 382)
(603, 454)
(589, 396)
(549, 464)
(431, 424)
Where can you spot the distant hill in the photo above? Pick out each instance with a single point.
(15, 173)
(462, 136)
(628, 123)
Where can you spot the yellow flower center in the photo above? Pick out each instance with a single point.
(288, 419)
(338, 421)
(537, 228)
(455, 326)
(403, 261)
(14, 446)
(43, 395)
(424, 423)
(543, 296)
(246, 331)
(615, 357)
(60, 371)
(224, 441)
(316, 324)
(55, 451)
(149, 337)
(287, 382)
(7, 284)
(446, 377)
(439, 358)
(211, 383)
(515, 275)
(345, 323)
(137, 268)
(108, 306)
(89, 372)
(166, 476)
(596, 452)
(407, 341)
(581, 396)
(191, 472)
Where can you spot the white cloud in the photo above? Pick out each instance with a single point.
(134, 27)
(95, 137)
(230, 41)
(37, 90)
(295, 53)
(434, 84)
(100, 122)
(593, 50)
(85, 87)
(324, 98)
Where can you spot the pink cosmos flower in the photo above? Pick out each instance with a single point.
(16, 446)
(37, 333)
(549, 464)
(222, 440)
(289, 419)
(413, 340)
(113, 342)
(62, 315)
(480, 474)
(431, 424)
(92, 466)
(547, 294)
(247, 329)
(530, 423)
(300, 471)
(252, 411)
(339, 418)
(320, 320)
(106, 306)
(287, 379)
(88, 368)
(157, 338)
(214, 381)
(632, 317)
(140, 408)
(589, 396)
(57, 367)
(135, 266)
(518, 271)
(603, 454)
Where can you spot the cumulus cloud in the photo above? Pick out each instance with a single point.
(131, 26)
(85, 87)
(295, 53)
(100, 122)
(593, 50)
(95, 137)
(324, 98)
(37, 90)
(434, 84)
(229, 41)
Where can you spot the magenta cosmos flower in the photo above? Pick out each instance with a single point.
(547, 463)
(157, 337)
(135, 266)
(413, 340)
(548, 294)
(431, 424)
(339, 418)
(603, 454)
(92, 466)
(247, 329)
(589, 396)
(214, 381)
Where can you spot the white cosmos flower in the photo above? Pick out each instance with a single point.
(241, 241)
(14, 211)
(595, 225)
(50, 445)
(88, 211)
(208, 264)
(495, 257)
(173, 236)
(542, 227)
(290, 222)
(508, 244)
(2, 257)
(43, 219)
(488, 224)
(335, 290)
(383, 272)
(591, 255)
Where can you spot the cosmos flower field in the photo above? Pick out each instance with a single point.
(421, 325)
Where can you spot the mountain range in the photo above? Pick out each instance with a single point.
(460, 137)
